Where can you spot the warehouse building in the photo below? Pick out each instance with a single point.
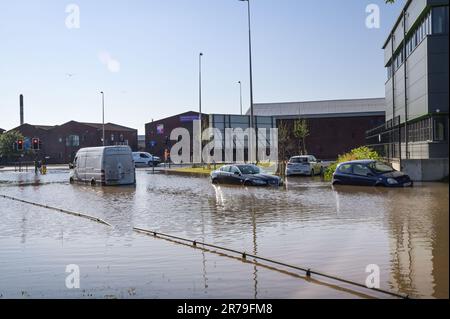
(335, 126)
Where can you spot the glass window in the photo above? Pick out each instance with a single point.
(360, 170)
(440, 16)
(225, 169)
(439, 130)
(345, 169)
(239, 119)
(380, 167)
(73, 140)
(249, 169)
(234, 170)
(296, 160)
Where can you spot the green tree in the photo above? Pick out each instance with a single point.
(7, 142)
(301, 131)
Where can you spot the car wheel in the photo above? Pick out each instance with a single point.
(214, 181)
(150, 164)
(71, 181)
(248, 183)
(337, 183)
(93, 182)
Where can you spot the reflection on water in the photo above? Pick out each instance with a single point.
(307, 223)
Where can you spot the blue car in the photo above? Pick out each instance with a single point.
(370, 173)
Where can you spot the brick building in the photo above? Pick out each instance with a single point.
(61, 142)
(157, 133)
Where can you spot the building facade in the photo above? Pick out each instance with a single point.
(335, 126)
(415, 135)
(60, 143)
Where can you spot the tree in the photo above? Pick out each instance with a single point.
(283, 137)
(301, 131)
(7, 142)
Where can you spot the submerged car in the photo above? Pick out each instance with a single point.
(144, 158)
(248, 175)
(304, 165)
(370, 173)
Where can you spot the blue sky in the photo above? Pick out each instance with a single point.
(302, 50)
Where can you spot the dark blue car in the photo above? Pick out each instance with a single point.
(369, 173)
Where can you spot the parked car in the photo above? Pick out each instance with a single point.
(304, 165)
(144, 158)
(369, 173)
(248, 175)
(109, 165)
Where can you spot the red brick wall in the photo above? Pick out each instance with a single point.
(330, 137)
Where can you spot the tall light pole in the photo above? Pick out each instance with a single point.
(103, 117)
(251, 71)
(200, 101)
(240, 94)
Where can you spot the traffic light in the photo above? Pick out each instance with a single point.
(20, 145)
(35, 144)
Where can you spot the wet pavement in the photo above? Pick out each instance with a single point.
(307, 223)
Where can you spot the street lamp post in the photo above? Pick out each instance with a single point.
(240, 94)
(200, 102)
(252, 124)
(103, 117)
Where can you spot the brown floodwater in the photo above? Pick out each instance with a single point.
(308, 223)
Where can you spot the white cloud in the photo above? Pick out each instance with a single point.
(112, 64)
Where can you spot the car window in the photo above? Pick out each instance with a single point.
(75, 161)
(312, 159)
(345, 169)
(360, 170)
(380, 167)
(144, 156)
(249, 169)
(296, 160)
(225, 169)
(234, 170)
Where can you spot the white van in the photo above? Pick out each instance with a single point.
(109, 165)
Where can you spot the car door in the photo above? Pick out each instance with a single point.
(362, 175)
(144, 158)
(222, 174)
(235, 176)
(314, 164)
(344, 174)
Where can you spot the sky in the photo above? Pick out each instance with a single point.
(144, 55)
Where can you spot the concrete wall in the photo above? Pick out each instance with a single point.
(426, 170)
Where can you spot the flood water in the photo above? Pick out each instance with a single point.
(338, 231)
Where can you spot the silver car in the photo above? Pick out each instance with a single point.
(304, 165)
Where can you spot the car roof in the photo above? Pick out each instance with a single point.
(366, 161)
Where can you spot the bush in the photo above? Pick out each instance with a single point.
(359, 153)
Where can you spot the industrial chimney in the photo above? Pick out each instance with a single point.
(21, 110)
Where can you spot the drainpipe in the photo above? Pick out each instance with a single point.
(393, 97)
(406, 94)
